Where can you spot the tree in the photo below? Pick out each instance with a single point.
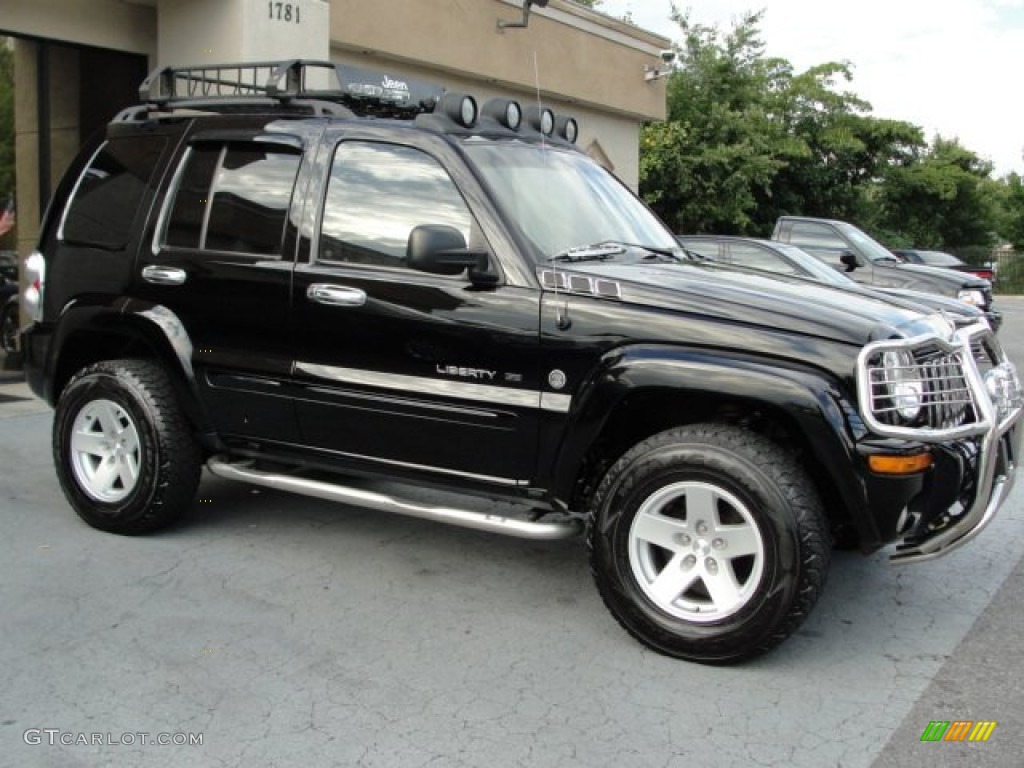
(699, 170)
(946, 199)
(1011, 210)
(747, 139)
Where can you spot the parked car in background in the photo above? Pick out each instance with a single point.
(945, 260)
(848, 249)
(8, 266)
(788, 260)
(9, 303)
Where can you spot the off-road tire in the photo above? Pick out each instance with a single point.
(168, 459)
(782, 517)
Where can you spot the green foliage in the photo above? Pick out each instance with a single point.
(748, 139)
(944, 199)
(1011, 210)
(703, 167)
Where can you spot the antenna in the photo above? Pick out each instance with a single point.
(561, 306)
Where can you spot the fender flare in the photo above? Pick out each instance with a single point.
(154, 325)
(813, 401)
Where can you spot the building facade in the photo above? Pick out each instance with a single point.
(78, 62)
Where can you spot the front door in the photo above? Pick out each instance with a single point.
(399, 367)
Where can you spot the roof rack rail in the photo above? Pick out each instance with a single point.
(364, 91)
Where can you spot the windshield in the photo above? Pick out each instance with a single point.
(563, 201)
(939, 259)
(869, 247)
(813, 267)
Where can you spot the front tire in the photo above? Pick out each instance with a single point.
(708, 543)
(125, 455)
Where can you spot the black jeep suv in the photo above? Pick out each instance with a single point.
(314, 290)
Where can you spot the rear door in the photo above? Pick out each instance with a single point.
(221, 264)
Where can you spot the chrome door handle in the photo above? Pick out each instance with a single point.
(159, 275)
(336, 295)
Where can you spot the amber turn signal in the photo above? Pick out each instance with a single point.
(900, 465)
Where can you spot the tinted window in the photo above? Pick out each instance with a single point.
(186, 223)
(377, 194)
(110, 192)
(805, 233)
(233, 198)
(757, 257)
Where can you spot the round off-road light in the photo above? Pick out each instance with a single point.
(461, 108)
(542, 120)
(513, 115)
(506, 112)
(568, 129)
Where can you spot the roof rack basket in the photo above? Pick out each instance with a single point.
(365, 91)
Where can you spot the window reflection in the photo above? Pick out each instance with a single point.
(247, 189)
(562, 199)
(377, 194)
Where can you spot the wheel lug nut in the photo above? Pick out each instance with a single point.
(684, 539)
(711, 565)
(702, 527)
(689, 561)
(718, 543)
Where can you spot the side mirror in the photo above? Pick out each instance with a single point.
(442, 250)
(850, 260)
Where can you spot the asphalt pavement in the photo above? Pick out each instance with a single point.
(285, 631)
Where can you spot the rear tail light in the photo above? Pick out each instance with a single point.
(32, 300)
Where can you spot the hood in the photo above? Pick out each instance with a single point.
(961, 312)
(777, 302)
(929, 276)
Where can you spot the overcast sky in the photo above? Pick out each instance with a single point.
(953, 67)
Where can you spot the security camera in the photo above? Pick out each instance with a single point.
(668, 56)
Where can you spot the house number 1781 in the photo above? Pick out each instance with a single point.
(287, 12)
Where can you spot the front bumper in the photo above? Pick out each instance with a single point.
(989, 425)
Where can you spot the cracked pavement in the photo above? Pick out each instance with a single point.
(296, 632)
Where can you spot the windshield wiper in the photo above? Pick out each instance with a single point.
(608, 249)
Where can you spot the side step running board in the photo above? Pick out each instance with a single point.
(507, 526)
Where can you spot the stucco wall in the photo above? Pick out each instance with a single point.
(576, 55)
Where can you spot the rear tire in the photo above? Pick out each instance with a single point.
(124, 452)
(708, 543)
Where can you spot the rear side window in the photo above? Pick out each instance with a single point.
(109, 194)
(233, 197)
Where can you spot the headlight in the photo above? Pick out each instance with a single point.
(903, 381)
(972, 296)
(1004, 388)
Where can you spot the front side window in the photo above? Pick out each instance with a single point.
(110, 192)
(233, 197)
(376, 196)
(812, 235)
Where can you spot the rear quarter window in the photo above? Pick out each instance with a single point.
(108, 196)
